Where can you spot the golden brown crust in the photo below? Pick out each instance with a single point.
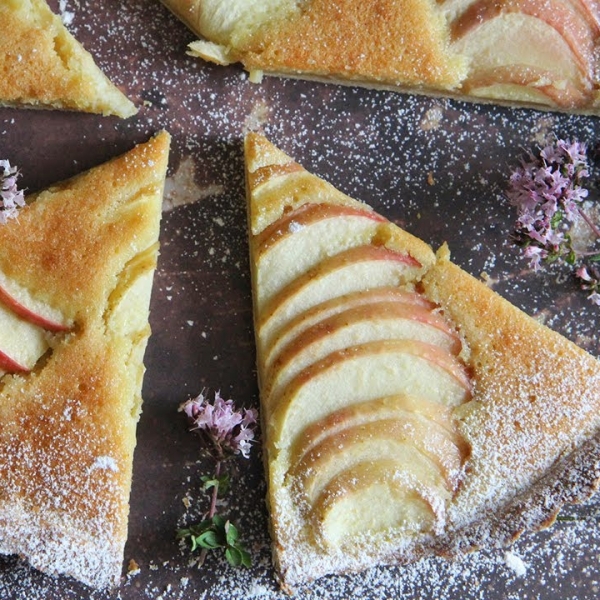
(509, 52)
(397, 42)
(67, 430)
(531, 425)
(42, 65)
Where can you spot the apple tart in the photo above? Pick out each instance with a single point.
(44, 66)
(406, 411)
(76, 272)
(517, 52)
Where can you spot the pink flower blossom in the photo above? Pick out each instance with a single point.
(226, 430)
(535, 255)
(595, 298)
(11, 198)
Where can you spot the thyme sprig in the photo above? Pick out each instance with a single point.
(225, 433)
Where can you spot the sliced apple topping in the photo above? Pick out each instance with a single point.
(528, 50)
(303, 238)
(362, 373)
(361, 324)
(380, 409)
(370, 441)
(22, 343)
(20, 300)
(400, 493)
(359, 268)
(324, 310)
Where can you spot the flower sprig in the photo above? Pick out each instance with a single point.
(548, 191)
(11, 198)
(225, 433)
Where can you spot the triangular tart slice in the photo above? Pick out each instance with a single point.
(44, 66)
(516, 52)
(76, 271)
(407, 409)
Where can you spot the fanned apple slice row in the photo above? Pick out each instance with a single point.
(538, 84)
(359, 268)
(303, 238)
(371, 441)
(324, 310)
(379, 409)
(379, 496)
(518, 41)
(361, 373)
(358, 325)
(22, 343)
(19, 300)
(561, 17)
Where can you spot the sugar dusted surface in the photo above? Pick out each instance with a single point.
(433, 166)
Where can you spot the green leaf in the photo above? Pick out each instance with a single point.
(219, 522)
(571, 258)
(233, 556)
(595, 258)
(224, 483)
(208, 539)
(246, 558)
(231, 533)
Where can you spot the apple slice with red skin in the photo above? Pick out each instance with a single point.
(20, 301)
(496, 83)
(371, 441)
(303, 238)
(569, 23)
(518, 42)
(22, 343)
(361, 373)
(358, 325)
(306, 215)
(359, 268)
(403, 492)
(375, 410)
(325, 310)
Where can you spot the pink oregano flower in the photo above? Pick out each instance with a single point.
(548, 191)
(11, 198)
(225, 432)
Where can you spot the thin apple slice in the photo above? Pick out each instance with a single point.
(331, 307)
(358, 325)
(22, 302)
(378, 496)
(303, 238)
(519, 40)
(127, 311)
(22, 343)
(359, 268)
(371, 441)
(362, 373)
(524, 84)
(560, 16)
(374, 410)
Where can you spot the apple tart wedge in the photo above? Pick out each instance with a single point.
(405, 410)
(517, 52)
(44, 66)
(76, 272)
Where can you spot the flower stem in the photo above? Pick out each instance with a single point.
(591, 224)
(213, 508)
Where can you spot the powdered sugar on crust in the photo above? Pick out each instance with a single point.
(376, 146)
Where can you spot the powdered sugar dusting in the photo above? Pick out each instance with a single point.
(515, 563)
(406, 156)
